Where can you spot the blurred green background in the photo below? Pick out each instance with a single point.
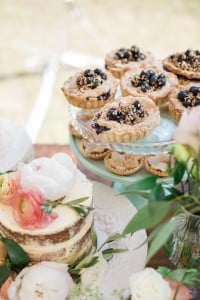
(34, 31)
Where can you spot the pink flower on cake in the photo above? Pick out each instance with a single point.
(28, 211)
(9, 186)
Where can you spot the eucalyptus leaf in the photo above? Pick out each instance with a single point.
(161, 237)
(81, 211)
(77, 201)
(4, 273)
(17, 256)
(94, 238)
(90, 258)
(112, 250)
(148, 216)
(113, 238)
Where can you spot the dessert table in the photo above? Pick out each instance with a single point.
(160, 259)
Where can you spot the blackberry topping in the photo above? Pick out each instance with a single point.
(188, 60)
(129, 114)
(129, 54)
(91, 79)
(104, 96)
(148, 80)
(98, 128)
(191, 97)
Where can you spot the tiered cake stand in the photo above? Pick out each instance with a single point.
(158, 141)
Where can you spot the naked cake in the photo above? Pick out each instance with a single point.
(67, 237)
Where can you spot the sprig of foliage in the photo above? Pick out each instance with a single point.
(82, 210)
(82, 292)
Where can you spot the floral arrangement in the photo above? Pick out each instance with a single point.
(167, 200)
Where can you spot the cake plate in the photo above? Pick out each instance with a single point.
(112, 213)
(120, 183)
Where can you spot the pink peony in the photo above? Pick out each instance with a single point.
(28, 212)
(188, 130)
(9, 186)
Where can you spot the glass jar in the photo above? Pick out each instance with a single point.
(183, 246)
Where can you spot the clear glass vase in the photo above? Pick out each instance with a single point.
(183, 246)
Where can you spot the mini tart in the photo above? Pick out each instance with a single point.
(184, 63)
(157, 163)
(126, 119)
(90, 89)
(74, 132)
(183, 98)
(120, 60)
(92, 150)
(151, 81)
(122, 163)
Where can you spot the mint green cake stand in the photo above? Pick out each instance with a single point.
(120, 183)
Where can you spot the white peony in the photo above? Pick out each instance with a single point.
(53, 177)
(43, 281)
(149, 284)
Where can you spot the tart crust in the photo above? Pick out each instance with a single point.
(175, 106)
(118, 68)
(159, 96)
(116, 132)
(157, 163)
(92, 150)
(190, 74)
(122, 163)
(86, 97)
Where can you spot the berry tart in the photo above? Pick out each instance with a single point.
(122, 163)
(120, 60)
(158, 164)
(184, 63)
(183, 98)
(92, 150)
(90, 88)
(152, 81)
(126, 119)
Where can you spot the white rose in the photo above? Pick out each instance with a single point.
(53, 177)
(45, 280)
(149, 284)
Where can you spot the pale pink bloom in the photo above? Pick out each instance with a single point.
(28, 212)
(45, 280)
(9, 186)
(188, 130)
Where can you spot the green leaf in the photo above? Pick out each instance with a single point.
(113, 238)
(157, 193)
(161, 237)
(4, 273)
(148, 216)
(179, 172)
(77, 201)
(18, 257)
(81, 211)
(146, 183)
(89, 260)
(112, 250)
(94, 238)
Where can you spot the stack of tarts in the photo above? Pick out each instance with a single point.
(147, 89)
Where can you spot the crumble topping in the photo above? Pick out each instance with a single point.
(191, 97)
(129, 114)
(188, 60)
(148, 80)
(91, 79)
(129, 54)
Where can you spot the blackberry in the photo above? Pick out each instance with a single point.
(182, 95)
(194, 90)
